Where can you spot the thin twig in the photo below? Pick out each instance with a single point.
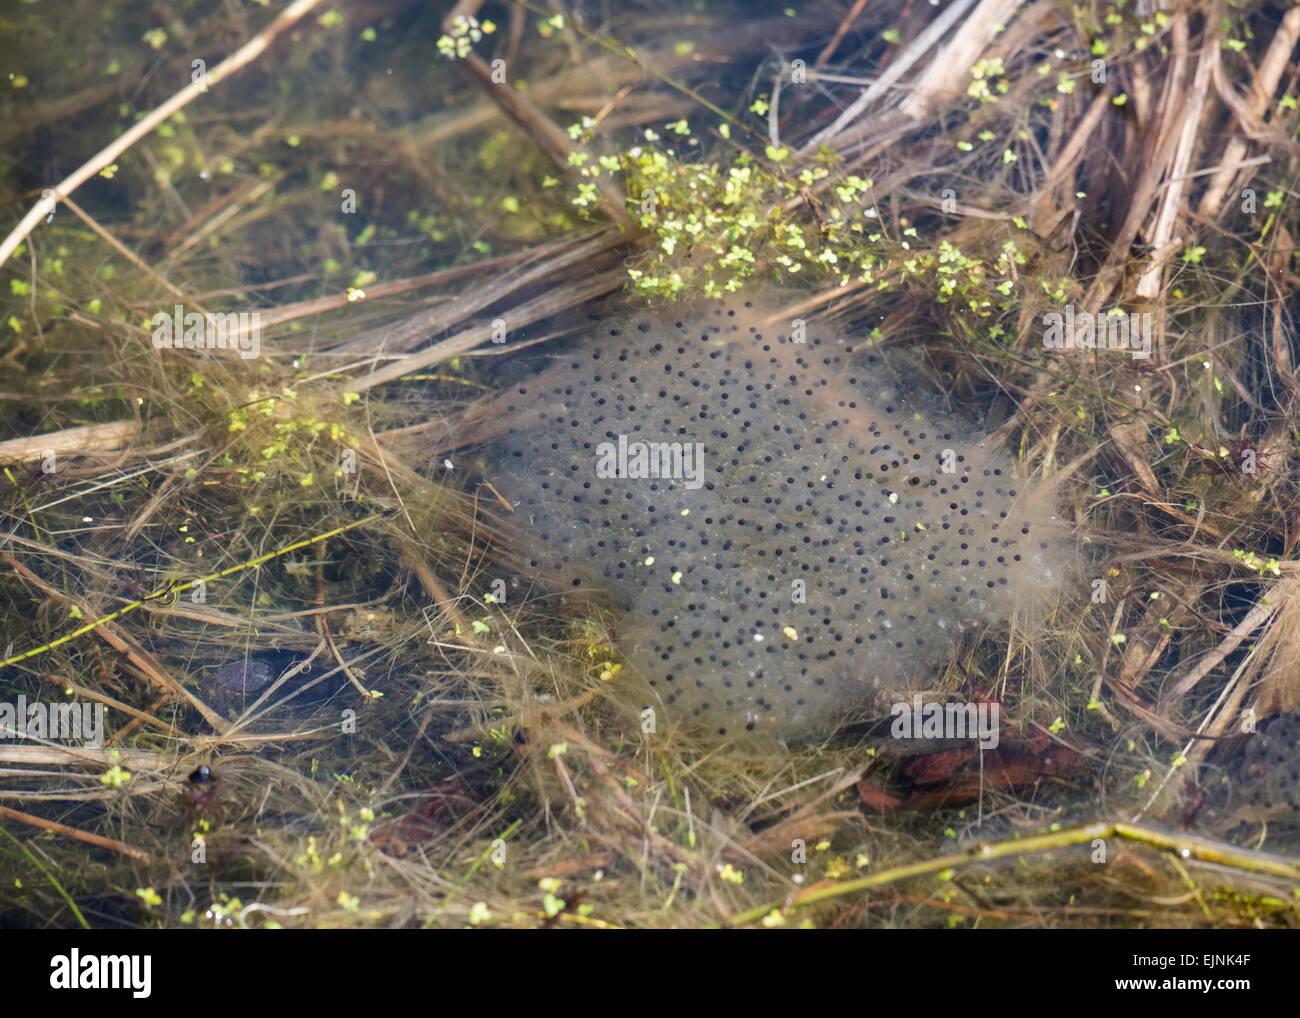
(73, 832)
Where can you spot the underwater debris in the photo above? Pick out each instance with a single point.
(784, 528)
(240, 682)
(1259, 789)
(953, 777)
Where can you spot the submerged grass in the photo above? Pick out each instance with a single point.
(476, 756)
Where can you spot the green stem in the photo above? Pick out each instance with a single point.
(50, 877)
(1182, 845)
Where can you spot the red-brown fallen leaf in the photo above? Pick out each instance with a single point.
(960, 775)
(932, 767)
(440, 805)
(880, 801)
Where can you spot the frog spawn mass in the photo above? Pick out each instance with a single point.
(1257, 791)
(783, 531)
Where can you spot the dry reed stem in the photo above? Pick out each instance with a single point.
(832, 136)
(551, 303)
(86, 440)
(565, 257)
(947, 73)
(135, 760)
(1262, 88)
(1171, 200)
